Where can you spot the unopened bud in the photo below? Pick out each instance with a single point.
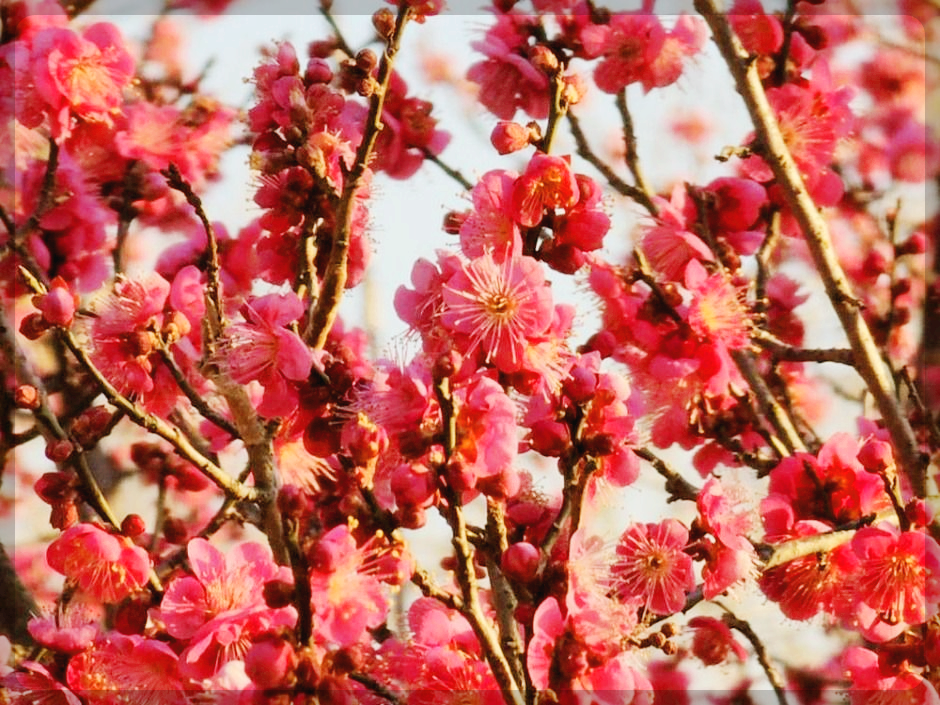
(453, 221)
(543, 59)
(277, 594)
(26, 396)
(133, 525)
(58, 451)
(508, 137)
(90, 426)
(366, 60)
(520, 561)
(916, 244)
(384, 22)
(876, 456)
(33, 326)
(318, 71)
(175, 531)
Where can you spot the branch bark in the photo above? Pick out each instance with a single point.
(868, 361)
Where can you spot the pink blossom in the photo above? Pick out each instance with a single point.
(628, 45)
(652, 567)
(122, 332)
(106, 566)
(490, 226)
(118, 665)
(261, 349)
(899, 578)
(713, 641)
(69, 629)
(346, 581)
(220, 583)
(547, 183)
(80, 75)
(871, 679)
(33, 684)
(508, 80)
(498, 308)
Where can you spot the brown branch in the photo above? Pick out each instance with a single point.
(615, 182)
(677, 486)
(45, 193)
(199, 403)
(789, 353)
(334, 281)
(465, 571)
(776, 681)
(629, 137)
(214, 310)
(816, 233)
(504, 599)
(557, 109)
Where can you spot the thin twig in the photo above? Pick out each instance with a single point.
(45, 194)
(632, 157)
(199, 402)
(464, 564)
(334, 281)
(789, 353)
(615, 182)
(676, 485)
(504, 599)
(214, 310)
(776, 681)
(448, 169)
(816, 234)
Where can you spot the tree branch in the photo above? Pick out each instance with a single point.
(816, 233)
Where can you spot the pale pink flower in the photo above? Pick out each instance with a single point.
(106, 566)
(490, 226)
(120, 667)
(69, 629)
(122, 333)
(81, 75)
(221, 582)
(346, 582)
(498, 307)
(261, 349)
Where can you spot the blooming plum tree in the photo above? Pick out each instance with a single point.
(242, 493)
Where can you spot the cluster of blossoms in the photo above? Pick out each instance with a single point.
(290, 469)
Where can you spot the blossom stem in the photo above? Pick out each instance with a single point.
(504, 598)
(677, 486)
(375, 687)
(558, 107)
(618, 184)
(868, 362)
(91, 490)
(773, 675)
(629, 137)
(464, 568)
(334, 281)
(447, 169)
(214, 310)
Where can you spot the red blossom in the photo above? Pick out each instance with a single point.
(652, 568)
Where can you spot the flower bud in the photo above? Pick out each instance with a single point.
(131, 615)
(384, 22)
(90, 425)
(54, 487)
(413, 485)
(366, 60)
(58, 451)
(544, 59)
(317, 71)
(33, 326)
(508, 137)
(916, 244)
(133, 525)
(348, 659)
(269, 661)
(26, 396)
(520, 561)
(175, 531)
(277, 594)
(453, 221)
(876, 456)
